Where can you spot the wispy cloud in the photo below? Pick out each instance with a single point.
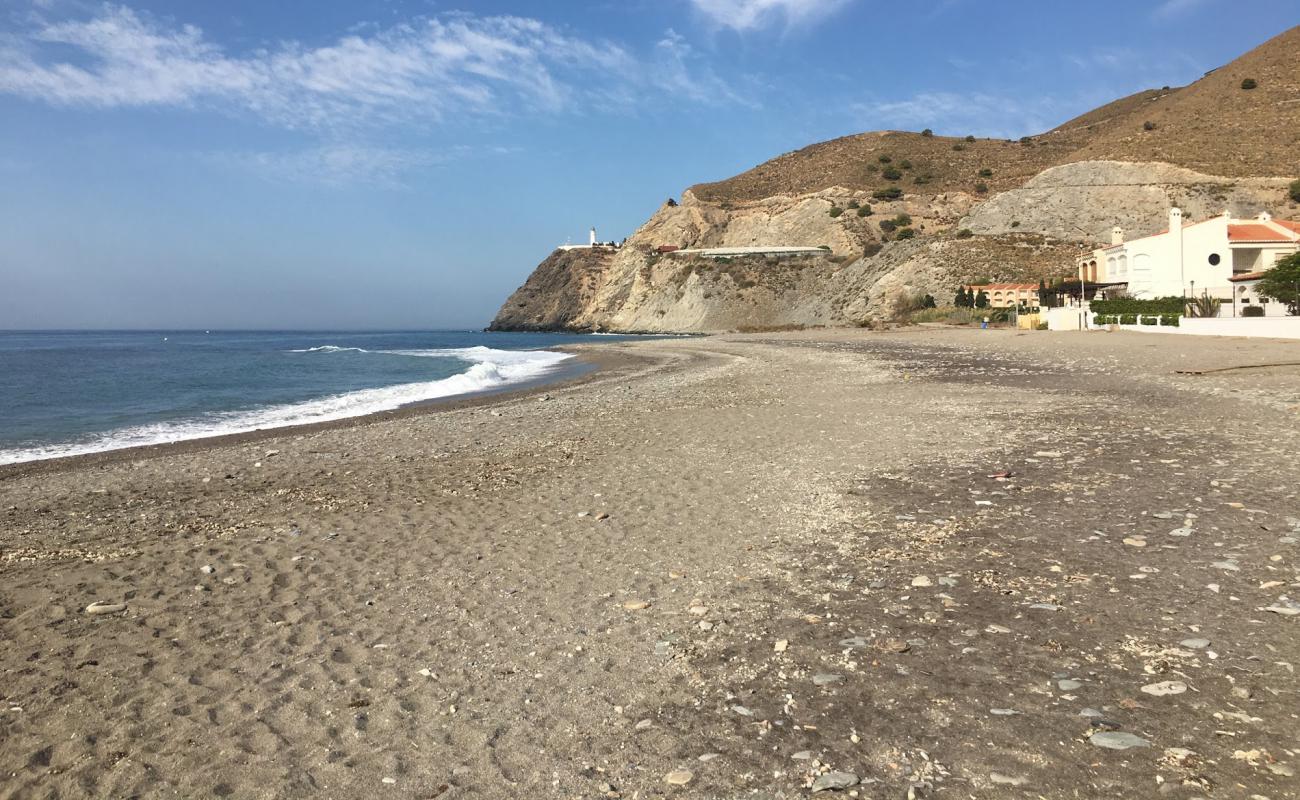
(747, 15)
(1171, 9)
(339, 164)
(959, 114)
(428, 70)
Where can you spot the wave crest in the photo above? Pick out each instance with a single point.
(491, 369)
(331, 348)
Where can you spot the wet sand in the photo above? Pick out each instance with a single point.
(722, 567)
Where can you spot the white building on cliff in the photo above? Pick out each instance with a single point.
(592, 245)
(1219, 255)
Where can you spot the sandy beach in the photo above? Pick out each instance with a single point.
(919, 563)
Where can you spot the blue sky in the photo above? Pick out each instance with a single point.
(405, 163)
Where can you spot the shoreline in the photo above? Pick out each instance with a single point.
(938, 562)
(589, 364)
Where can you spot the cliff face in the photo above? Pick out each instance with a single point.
(562, 285)
(1015, 211)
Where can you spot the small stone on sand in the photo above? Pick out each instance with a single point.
(679, 777)
(834, 780)
(1116, 740)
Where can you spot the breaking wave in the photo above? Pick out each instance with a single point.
(489, 369)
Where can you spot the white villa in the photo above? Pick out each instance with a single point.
(1220, 255)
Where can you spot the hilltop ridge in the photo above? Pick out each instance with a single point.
(1211, 126)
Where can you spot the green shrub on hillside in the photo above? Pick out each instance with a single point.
(902, 220)
(872, 249)
(864, 210)
(888, 226)
(853, 204)
(1248, 84)
(986, 173)
(890, 174)
(1294, 191)
(981, 188)
(1148, 126)
(923, 178)
(965, 233)
(905, 164)
(888, 193)
(905, 233)
(927, 133)
(836, 211)
(885, 158)
(970, 138)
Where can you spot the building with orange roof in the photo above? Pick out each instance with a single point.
(1215, 256)
(1008, 295)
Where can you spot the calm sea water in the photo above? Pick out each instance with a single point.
(65, 393)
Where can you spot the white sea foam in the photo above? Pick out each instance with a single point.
(490, 369)
(331, 348)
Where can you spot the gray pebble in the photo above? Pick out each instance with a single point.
(834, 780)
(1117, 740)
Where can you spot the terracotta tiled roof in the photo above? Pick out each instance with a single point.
(1246, 276)
(999, 287)
(1288, 224)
(1256, 232)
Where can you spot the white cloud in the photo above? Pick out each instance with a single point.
(677, 73)
(428, 69)
(746, 15)
(960, 114)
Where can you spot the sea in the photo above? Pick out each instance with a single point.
(66, 393)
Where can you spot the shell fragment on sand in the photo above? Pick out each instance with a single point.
(98, 608)
(1165, 688)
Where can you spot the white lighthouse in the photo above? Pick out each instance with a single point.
(591, 244)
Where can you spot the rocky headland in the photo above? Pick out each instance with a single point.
(903, 214)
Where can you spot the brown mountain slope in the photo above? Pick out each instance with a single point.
(1213, 126)
(1216, 126)
(1115, 112)
(940, 163)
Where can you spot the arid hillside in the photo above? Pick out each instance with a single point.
(906, 214)
(1212, 126)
